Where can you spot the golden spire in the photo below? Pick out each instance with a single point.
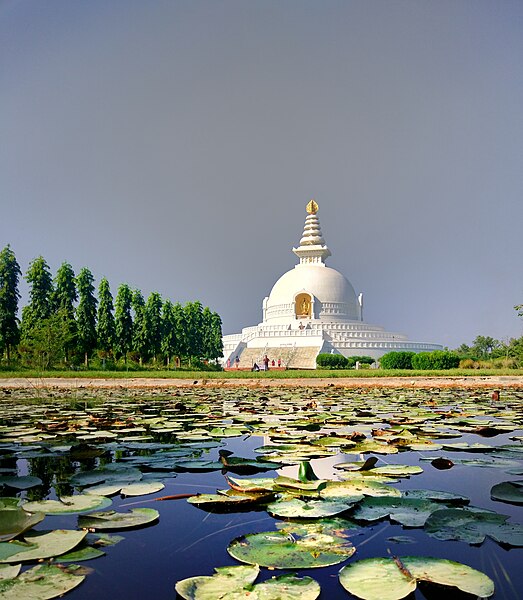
(312, 207)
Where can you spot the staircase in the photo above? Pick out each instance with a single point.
(291, 357)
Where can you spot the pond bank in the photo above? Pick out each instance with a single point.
(42, 386)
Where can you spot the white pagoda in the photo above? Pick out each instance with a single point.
(311, 309)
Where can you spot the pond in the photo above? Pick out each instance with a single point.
(329, 477)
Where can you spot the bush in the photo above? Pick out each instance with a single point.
(468, 363)
(437, 360)
(363, 360)
(397, 360)
(331, 361)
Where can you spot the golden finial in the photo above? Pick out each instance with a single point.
(312, 207)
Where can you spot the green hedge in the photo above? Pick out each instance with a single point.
(331, 361)
(397, 360)
(439, 359)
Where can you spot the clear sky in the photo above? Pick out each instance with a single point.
(173, 145)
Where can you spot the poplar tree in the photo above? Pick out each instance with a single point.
(169, 344)
(105, 331)
(194, 321)
(123, 321)
(9, 276)
(216, 346)
(40, 295)
(153, 323)
(140, 338)
(86, 314)
(180, 331)
(63, 299)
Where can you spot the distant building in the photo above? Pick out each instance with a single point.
(311, 309)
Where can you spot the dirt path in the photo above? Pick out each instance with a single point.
(70, 384)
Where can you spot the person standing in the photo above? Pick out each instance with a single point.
(266, 362)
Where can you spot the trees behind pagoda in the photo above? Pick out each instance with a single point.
(67, 323)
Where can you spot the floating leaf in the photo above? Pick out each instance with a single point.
(42, 544)
(229, 500)
(314, 509)
(237, 582)
(355, 489)
(14, 521)
(472, 526)
(409, 512)
(68, 504)
(103, 521)
(280, 550)
(20, 483)
(43, 582)
(9, 571)
(508, 491)
(81, 554)
(393, 579)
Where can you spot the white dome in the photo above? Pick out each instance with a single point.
(333, 297)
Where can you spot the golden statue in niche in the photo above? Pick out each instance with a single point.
(303, 305)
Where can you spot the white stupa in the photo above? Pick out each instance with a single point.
(311, 309)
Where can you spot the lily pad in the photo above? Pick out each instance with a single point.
(280, 550)
(356, 488)
(314, 509)
(472, 526)
(68, 504)
(20, 483)
(14, 521)
(393, 579)
(409, 512)
(237, 582)
(43, 582)
(42, 544)
(508, 491)
(103, 521)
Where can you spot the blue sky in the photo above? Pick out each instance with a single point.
(173, 146)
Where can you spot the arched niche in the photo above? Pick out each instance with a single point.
(303, 306)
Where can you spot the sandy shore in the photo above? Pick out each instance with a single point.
(57, 384)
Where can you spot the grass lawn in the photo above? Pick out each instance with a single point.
(291, 374)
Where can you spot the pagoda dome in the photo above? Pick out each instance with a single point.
(332, 296)
(312, 290)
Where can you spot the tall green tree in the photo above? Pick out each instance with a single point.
(193, 312)
(483, 346)
(40, 295)
(86, 314)
(9, 277)
(63, 301)
(105, 331)
(211, 334)
(153, 323)
(123, 321)
(180, 331)
(140, 337)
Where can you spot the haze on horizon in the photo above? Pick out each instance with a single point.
(173, 145)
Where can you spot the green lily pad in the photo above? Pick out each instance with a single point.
(20, 483)
(103, 521)
(280, 550)
(355, 489)
(436, 496)
(393, 579)
(42, 544)
(508, 491)
(254, 485)
(229, 499)
(409, 512)
(68, 504)
(314, 509)
(81, 554)
(288, 483)
(43, 582)
(14, 521)
(472, 526)
(237, 582)
(9, 571)
(111, 473)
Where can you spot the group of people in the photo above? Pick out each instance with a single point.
(266, 362)
(255, 367)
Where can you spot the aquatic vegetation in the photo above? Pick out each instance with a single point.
(323, 472)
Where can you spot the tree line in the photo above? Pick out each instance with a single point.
(66, 322)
